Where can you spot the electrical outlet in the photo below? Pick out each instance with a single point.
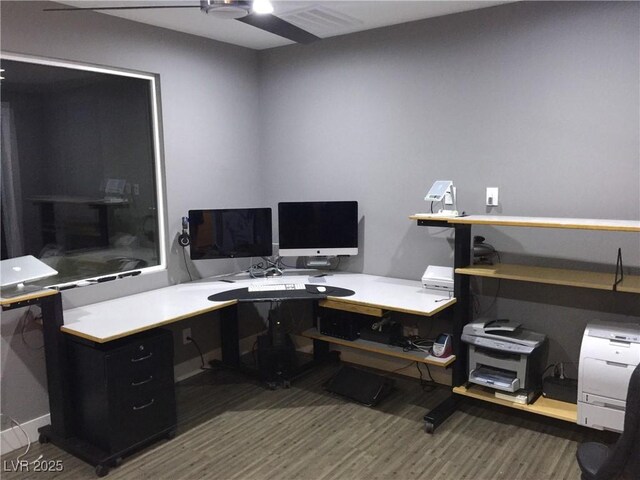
(136, 189)
(492, 196)
(186, 334)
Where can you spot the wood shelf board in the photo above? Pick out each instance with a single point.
(551, 276)
(542, 406)
(630, 284)
(445, 303)
(351, 307)
(550, 222)
(380, 348)
(430, 217)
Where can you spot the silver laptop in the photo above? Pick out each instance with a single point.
(16, 271)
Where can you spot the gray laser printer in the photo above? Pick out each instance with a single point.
(503, 355)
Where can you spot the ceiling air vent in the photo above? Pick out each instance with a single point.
(322, 21)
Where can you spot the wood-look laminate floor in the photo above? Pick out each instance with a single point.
(231, 428)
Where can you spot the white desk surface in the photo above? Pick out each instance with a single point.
(106, 321)
(541, 222)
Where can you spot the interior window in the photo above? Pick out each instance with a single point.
(80, 169)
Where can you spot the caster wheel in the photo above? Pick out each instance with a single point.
(429, 427)
(102, 470)
(117, 462)
(42, 439)
(286, 384)
(171, 435)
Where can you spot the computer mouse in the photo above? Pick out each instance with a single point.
(321, 289)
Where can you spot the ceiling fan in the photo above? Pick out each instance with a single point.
(256, 13)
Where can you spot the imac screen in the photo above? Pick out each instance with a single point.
(230, 233)
(318, 228)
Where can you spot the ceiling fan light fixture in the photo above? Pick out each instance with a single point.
(262, 6)
(225, 9)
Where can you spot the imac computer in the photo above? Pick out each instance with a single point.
(230, 233)
(309, 229)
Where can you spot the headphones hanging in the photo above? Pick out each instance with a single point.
(184, 240)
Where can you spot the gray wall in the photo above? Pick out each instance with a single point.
(209, 101)
(538, 99)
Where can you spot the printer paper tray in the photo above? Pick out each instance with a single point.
(494, 378)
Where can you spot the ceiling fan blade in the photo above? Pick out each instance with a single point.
(71, 9)
(280, 27)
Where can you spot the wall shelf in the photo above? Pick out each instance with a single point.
(549, 222)
(553, 276)
(542, 406)
(380, 348)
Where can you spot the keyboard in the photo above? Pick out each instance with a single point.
(275, 287)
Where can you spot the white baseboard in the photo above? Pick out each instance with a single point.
(13, 438)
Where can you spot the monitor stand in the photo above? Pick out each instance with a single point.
(319, 262)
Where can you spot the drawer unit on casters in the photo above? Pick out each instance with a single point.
(123, 393)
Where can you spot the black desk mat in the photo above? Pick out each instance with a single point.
(310, 293)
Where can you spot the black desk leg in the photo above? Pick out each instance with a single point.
(229, 336)
(57, 364)
(320, 350)
(441, 412)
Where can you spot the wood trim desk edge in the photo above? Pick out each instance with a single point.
(75, 333)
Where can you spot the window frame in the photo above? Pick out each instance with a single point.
(158, 157)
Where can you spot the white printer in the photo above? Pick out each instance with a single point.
(608, 355)
(505, 356)
(438, 278)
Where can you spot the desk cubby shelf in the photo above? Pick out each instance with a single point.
(542, 406)
(554, 276)
(380, 348)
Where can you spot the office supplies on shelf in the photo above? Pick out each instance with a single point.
(337, 325)
(275, 287)
(505, 359)
(438, 278)
(443, 191)
(558, 388)
(385, 331)
(443, 346)
(522, 397)
(608, 355)
(483, 253)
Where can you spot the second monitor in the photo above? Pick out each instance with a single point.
(318, 228)
(230, 233)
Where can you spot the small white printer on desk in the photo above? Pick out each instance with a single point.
(608, 355)
(438, 278)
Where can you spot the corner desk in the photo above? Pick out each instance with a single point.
(107, 323)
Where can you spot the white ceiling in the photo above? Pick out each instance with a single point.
(323, 18)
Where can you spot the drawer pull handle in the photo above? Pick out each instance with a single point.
(139, 359)
(142, 382)
(141, 407)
